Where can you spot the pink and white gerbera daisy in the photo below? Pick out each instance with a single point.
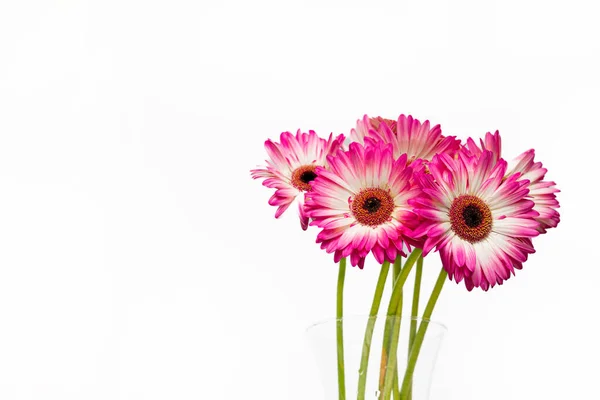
(541, 192)
(292, 166)
(479, 220)
(361, 204)
(407, 136)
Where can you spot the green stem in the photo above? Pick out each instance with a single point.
(415, 310)
(397, 270)
(366, 349)
(388, 356)
(391, 380)
(397, 267)
(340, 330)
(414, 354)
(399, 283)
(415, 303)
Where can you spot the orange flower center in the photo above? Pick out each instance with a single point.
(302, 176)
(372, 207)
(470, 218)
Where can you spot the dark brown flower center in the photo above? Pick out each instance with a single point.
(302, 176)
(308, 176)
(372, 206)
(470, 218)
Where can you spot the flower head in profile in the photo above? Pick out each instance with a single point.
(407, 136)
(490, 142)
(361, 204)
(363, 126)
(541, 192)
(477, 218)
(292, 166)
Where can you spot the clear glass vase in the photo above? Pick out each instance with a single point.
(363, 346)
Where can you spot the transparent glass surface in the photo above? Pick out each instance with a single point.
(322, 339)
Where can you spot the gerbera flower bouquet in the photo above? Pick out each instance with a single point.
(400, 192)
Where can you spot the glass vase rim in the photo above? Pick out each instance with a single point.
(382, 316)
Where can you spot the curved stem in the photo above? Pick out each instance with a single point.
(388, 356)
(340, 330)
(397, 268)
(414, 354)
(415, 310)
(366, 349)
(399, 283)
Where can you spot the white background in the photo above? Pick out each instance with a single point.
(138, 260)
